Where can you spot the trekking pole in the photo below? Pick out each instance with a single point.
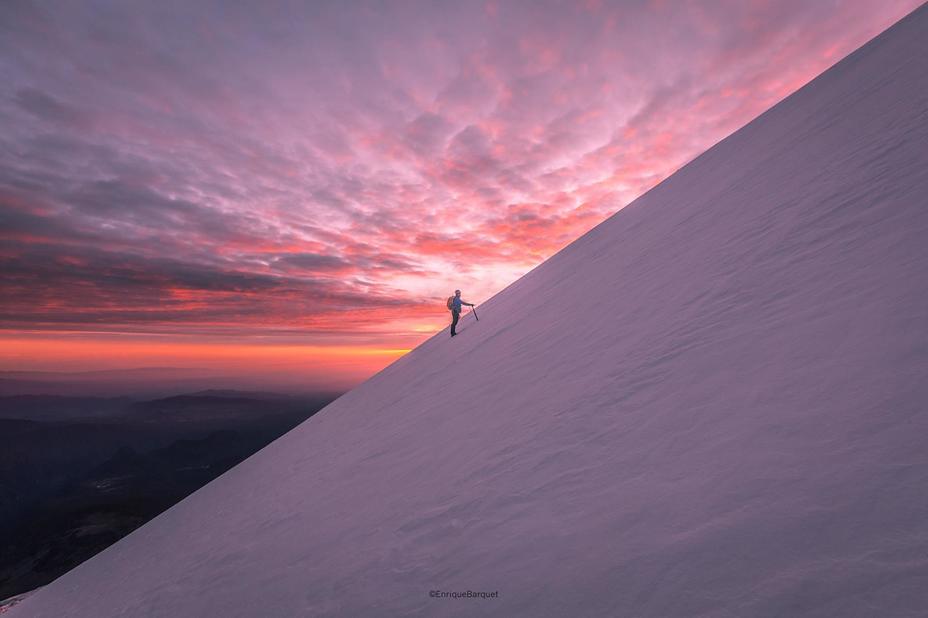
(474, 311)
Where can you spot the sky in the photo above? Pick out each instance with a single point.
(294, 188)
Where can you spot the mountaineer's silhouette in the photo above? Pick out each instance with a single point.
(454, 305)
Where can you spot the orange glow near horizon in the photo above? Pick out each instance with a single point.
(343, 365)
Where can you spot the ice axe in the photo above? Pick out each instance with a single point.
(474, 311)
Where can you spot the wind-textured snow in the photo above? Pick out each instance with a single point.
(712, 404)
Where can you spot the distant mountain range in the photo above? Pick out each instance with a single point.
(79, 473)
(139, 382)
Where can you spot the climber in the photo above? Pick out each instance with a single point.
(454, 304)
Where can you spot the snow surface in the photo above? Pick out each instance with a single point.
(713, 404)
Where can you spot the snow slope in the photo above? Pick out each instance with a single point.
(713, 404)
